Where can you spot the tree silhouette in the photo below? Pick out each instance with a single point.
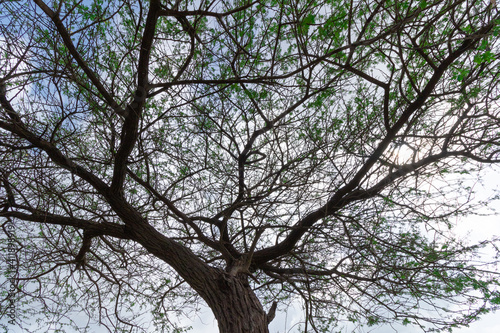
(160, 155)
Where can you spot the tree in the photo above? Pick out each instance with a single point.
(247, 154)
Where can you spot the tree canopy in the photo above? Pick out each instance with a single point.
(156, 156)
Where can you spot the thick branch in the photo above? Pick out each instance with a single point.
(305, 271)
(80, 258)
(130, 130)
(95, 228)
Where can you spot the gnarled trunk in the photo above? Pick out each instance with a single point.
(235, 305)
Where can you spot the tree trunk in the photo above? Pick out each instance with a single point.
(229, 295)
(235, 305)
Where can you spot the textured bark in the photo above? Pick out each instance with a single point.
(235, 305)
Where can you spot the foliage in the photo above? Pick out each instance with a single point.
(320, 147)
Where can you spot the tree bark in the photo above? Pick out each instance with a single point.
(235, 305)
